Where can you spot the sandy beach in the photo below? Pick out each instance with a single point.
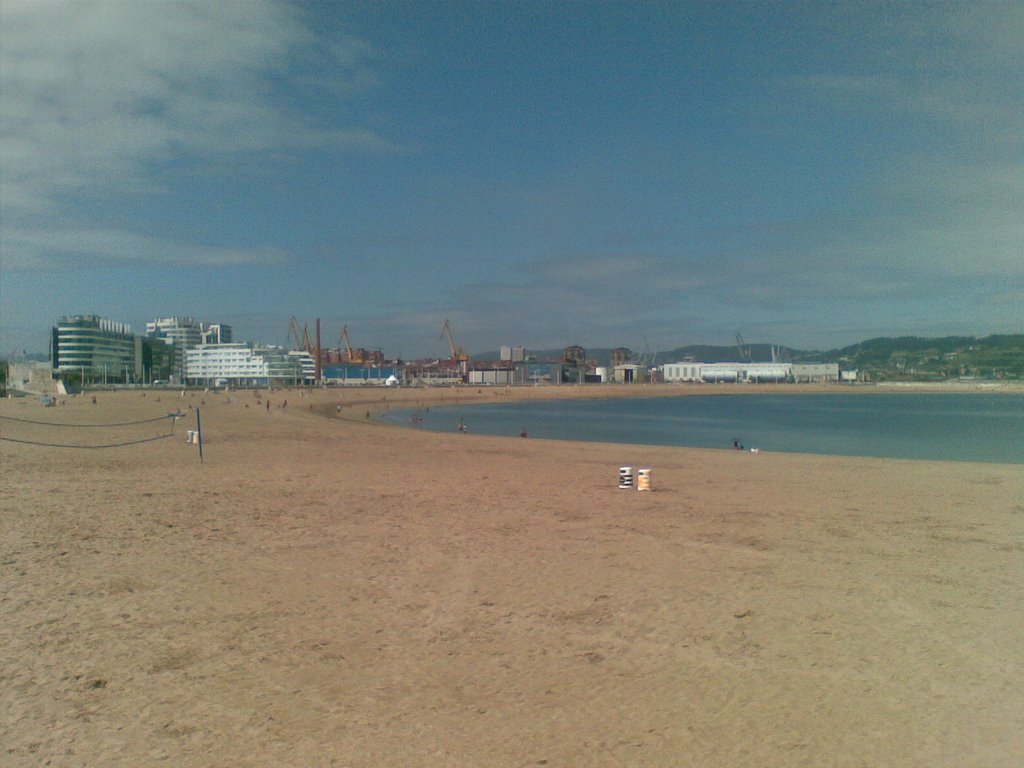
(327, 590)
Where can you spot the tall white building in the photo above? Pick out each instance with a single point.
(180, 331)
(184, 333)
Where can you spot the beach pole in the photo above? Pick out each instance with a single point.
(199, 435)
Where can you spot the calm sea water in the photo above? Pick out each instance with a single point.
(945, 427)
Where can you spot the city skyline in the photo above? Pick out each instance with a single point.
(545, 174)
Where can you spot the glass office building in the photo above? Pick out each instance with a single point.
(98, 349)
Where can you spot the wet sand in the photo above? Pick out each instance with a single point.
(325, 590)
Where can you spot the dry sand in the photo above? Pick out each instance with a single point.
(328, 591)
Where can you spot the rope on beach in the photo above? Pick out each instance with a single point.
(107, 445)
(115, 424)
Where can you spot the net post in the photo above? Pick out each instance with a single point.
(199, 435)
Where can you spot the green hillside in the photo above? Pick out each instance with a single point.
(914, 358)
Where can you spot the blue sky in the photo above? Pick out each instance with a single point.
(594, 173)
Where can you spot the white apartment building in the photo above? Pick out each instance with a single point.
(220, 364)
(241, 365)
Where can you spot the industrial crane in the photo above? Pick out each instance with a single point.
(743, 350)
(303, 342)
(458, 353)
(355, 357)
(650, 361)
(299, 338)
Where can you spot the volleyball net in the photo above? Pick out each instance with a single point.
(87, 435)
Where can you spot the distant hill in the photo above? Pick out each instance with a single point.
(882, 358)
(915, 357)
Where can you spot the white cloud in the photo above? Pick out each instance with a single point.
(96, 95)
(38, 248)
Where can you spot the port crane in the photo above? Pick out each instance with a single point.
(302, 341)
(299, 338)
(459, 356)
(650, 361)
(743, 349)
(458, 353)
(355, 357)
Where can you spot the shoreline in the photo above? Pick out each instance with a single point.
(467, 392)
